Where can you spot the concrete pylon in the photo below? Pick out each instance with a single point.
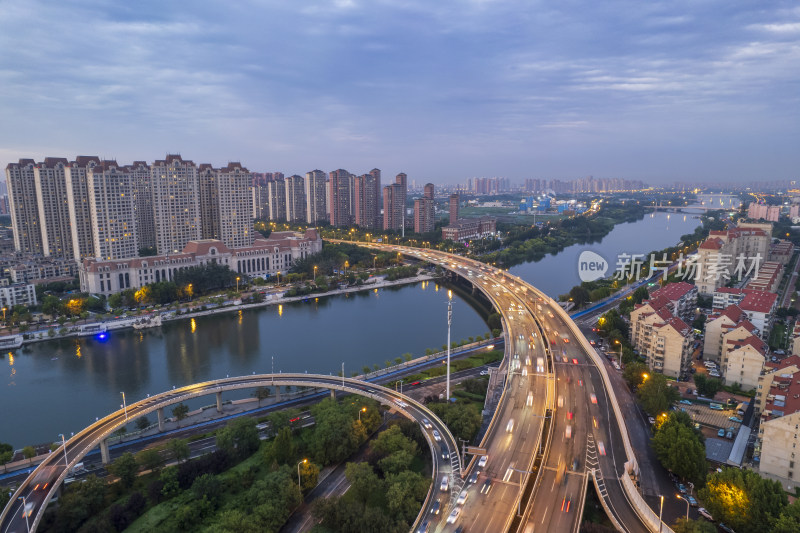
(104, 455)
(160, 418)
(333, 394)
(219, 402)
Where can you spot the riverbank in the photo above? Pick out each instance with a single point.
(123, 323)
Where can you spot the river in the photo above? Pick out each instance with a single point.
(61, 386)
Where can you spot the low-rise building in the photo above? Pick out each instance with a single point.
(663, 339)
(12, 294)
(465, 229)
(768, 278)
(743, 359)
(681, 299)
(716, 326)
(796, 339)
(266, 257)
(781, 252)
(776, 449)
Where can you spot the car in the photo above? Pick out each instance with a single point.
(454, 515)
(565, 359)
(686, 402)
(568, 432)
(616, 365)
(426, 423)
(484, 372)
(415, 383)
(445, 454)
(473, 478)
(482, 461)
(436, 507)
(705, 514)
(651, 420)
(729, 435)
(561, 401)
(721, 433)
(691, 501)
(566, 340)
(400, 402)
(529, 400)
(462, 498)
(28, 510)
(574, 361)
(569, 415)
(725, 528)
(694, 392)
(486, 487)
(594, 398)
(459, 529)
(565, 504)
(510, 426)
(575, 465)
(445, 486)
(528, 361)
(735, 419)
(601, 448)
(424, 527)
(682, 488)
(709, 363)
(436, 436)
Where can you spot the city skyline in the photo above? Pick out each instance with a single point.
(442, 92)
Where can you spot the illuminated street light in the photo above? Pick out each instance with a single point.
(315, 273)
(298, 473)
(237, 283)
(363, 410)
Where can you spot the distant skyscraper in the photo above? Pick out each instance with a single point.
(112, 211)
(376, 173)
(341, 193)
(424, 211)
(429, 191)
(295, 199)
(261, 201)
(276, 196)
(316, 196)
(235, 211)
(51, 200)
(24, 207)
(176, 201)
(366, 209)
(393, 206)
(454, 201)
(80, 218)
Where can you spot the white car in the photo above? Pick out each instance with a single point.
(568, 432)
(529, 401)
(510, 426)
(28, 511)
(482, 461)
(436, 436)
(445, 486)
(705, 513)
(401, 403)
(561, 401)
(426, 423)
(462, 498)
(454, 515)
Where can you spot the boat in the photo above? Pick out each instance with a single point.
(95, 328)
(10, 341)
(149, 321)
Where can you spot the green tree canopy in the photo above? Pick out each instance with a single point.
(680, 448)
(744, 500)
(125, 468)
(634, 374)
(656, 394)
(239, 437)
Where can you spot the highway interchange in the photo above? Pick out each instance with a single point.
(554, 401)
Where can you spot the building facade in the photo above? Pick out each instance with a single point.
(295, 199)
(316, 197)
(51, 199)
(466, 229)
(112, 211)
(340, 195)
(176, 202)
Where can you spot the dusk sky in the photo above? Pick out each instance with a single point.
(442, 90)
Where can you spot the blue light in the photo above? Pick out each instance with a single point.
(102, 336)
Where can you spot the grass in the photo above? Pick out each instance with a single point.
(473, 361)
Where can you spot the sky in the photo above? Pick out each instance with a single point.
(443, 90)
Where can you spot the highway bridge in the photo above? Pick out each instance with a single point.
(44, 481)
(557, 428)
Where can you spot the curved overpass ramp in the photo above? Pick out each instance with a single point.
(44, 481)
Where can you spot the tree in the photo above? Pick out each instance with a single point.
(680, 448)
(6, 452)
(209, 487)
(262, 393)
(239, 437)
(788, 521)
(408, 356)
(80, 502)
(51, 305)
(656, 394)
(179, 449)
(142, 423)
(463, 421)
(404, 494)
(693, 526)
(634, 374)
(150, 458)
(309, 475)
(579, 295)
(744, 500)
(364, 483)
(282, 450)
(180, 411)
(335, 437)
(393, 440)
(28, 452)
(707, 386)
(397, 462)
(125, 469)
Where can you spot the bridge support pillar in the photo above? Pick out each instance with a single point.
(333, 394)
(219, 402)
(104, 456)
(278, 393)
(160, 419)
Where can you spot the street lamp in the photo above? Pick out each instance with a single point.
(64, 445)
(401, 386)
(124, 406)
(315, 273)
(620, 350)
(237, 283)
(362, 410)
(660, 513)
(298, 473)
(25, 512)
(687, 506)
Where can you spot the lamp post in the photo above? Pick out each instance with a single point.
(342, 373)
(687, 506)
(124, 406)
(24, 513)
(401, 386)
(237, 284)
(64, 445)
(362, 410)
(660, 513)
(620, 351)
(315, 273)
(449, 321)
(298, 473)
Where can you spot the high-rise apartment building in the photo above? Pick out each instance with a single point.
(316, 196)
(176, 203)
(276, 198)
(51, 200)
(393, 207)
(295, 199)
(454, 202)
(376, 173)
(341, 197)
(366, 208)
(260, 200)
(112, 211)
(424, 211)
(235, 211)
(80, 219)
(24, 207)
(429, 191)
(143, 203)
(208, 190)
